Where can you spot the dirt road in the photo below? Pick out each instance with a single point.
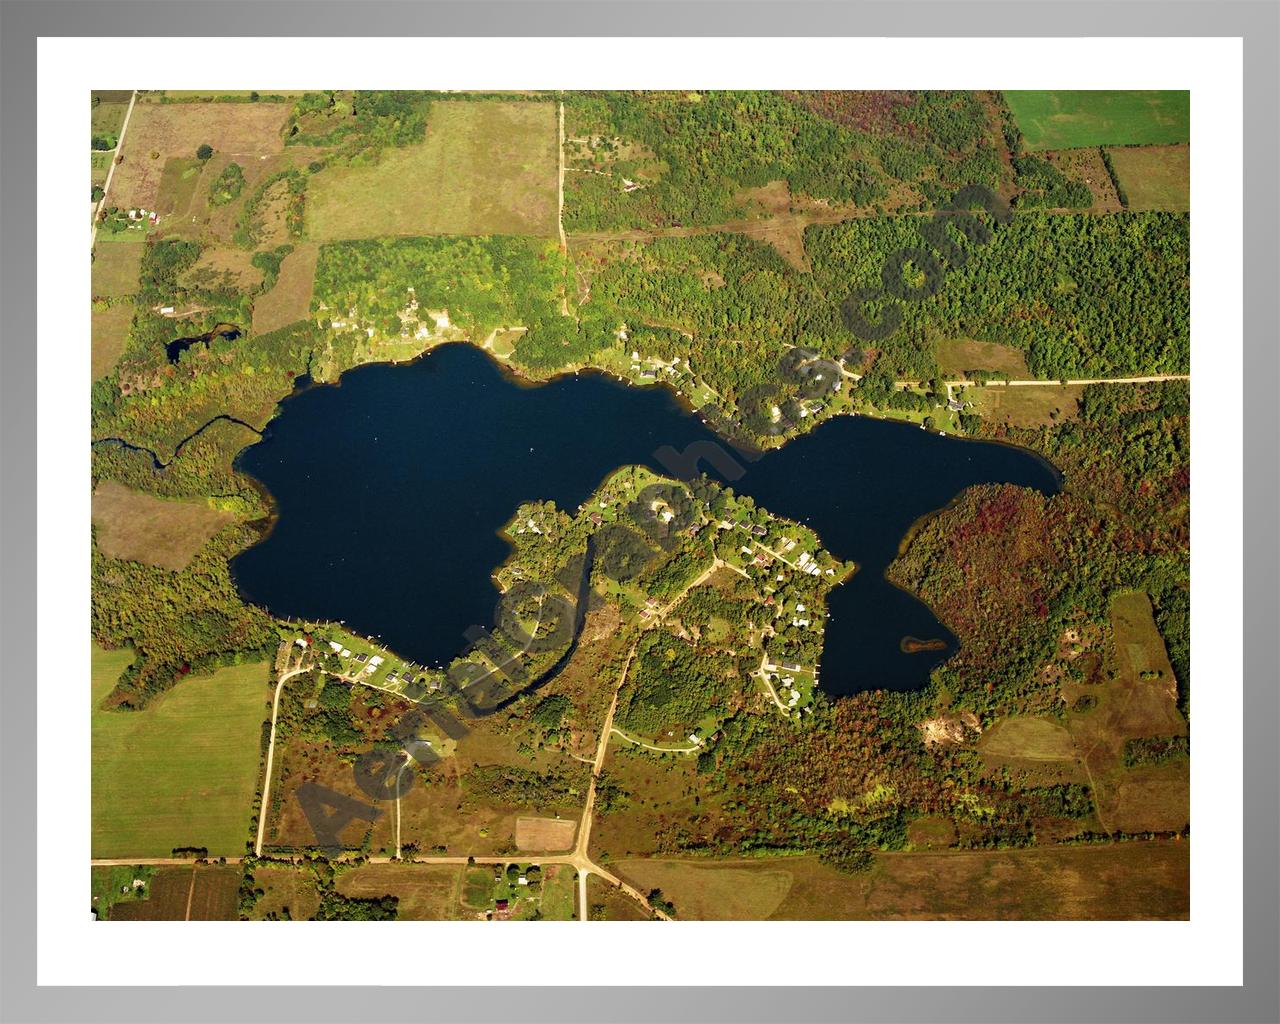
(111, 170)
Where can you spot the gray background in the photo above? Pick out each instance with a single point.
(22, 22)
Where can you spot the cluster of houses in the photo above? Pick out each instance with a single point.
(150, 216)
(651, 372)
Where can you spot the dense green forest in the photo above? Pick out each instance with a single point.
(692, 155)
(1083, 296)
(673, 685)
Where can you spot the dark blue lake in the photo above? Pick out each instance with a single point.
(390, 489)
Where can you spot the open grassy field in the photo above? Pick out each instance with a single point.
(1122, 881)
(661, 789)
(108, 115)
(99, 164)
(1040, 405)
(181, 773)
(1138, 699)
(427, 892)
(108, 334)
(115, 269)
(1036, 739)
(157, 531)
(1154, 177)
(608, 903)
(178, 182)
(485, 168)
(543, 835)
(159, 132)
(289, 299)
(286, 892)
(454, 812)
(957, 356)
(559, 893)
(1067, 119)
(299, 761)
(222, 267)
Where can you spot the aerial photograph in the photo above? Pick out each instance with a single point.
(640, 505)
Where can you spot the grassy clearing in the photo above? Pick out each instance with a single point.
(289, 299)
(608, 903)
(156, 531)
(957, 356)
(99, 165)
(1138, 699)
(1122, 881)
(1068, 119)
(225, 269)
(286, 893)
(178, 130)
(559, 893)
(115, 269)
(107, 117)
(1086, 165)
(181, 773)
(1154, 177)
(543, 835)
(484, 168)
(714, 892)
(477, 892)
(427, 892)
(178, 182)
(109, 334)
(1034, 739)
(449, 812)
(1039, 405)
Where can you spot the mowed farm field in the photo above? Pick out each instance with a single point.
(1121, 881)
(108, 335)
(485, 168)
(115, 269)
(1068, 119)
(1154, 177)
(165, 532)
(184, 771)
(161, 132)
